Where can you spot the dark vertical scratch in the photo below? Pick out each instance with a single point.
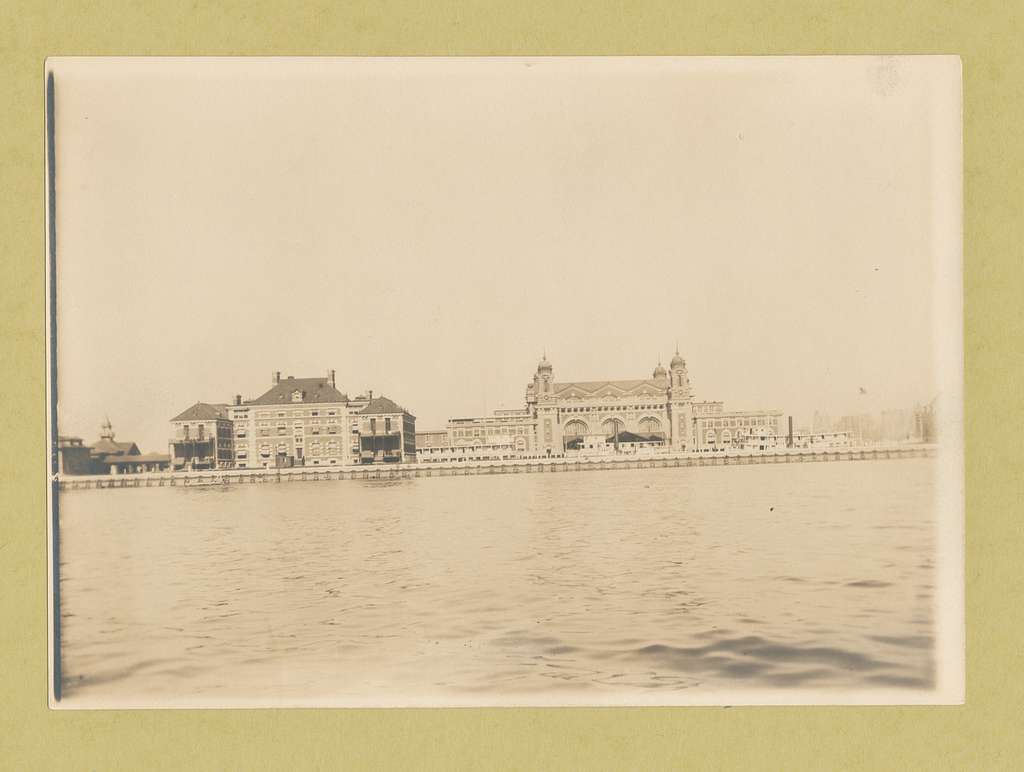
(51, 163)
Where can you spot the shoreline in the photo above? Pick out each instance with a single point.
(512, 466)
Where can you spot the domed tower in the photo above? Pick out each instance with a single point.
(107, 430)
(543, 407)
(543, 380)
(680, 378)
(660, 374)
(680, 403)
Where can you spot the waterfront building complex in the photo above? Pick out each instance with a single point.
(597, 417)
(106, 455)
(310, 422)
(297, 422)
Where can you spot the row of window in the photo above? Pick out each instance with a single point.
(302, 422)
(489, 430)
(295, 413)
(265, 464)
(607, 408)
(718, 423)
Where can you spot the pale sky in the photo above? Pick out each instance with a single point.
(429, 227)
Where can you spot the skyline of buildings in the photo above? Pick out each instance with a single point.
(311, 422)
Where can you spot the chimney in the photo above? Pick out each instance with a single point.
(238, 399)
(789, 437)
(330, 377)
(277, 377)
(370, 392)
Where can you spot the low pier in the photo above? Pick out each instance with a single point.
(511, 466)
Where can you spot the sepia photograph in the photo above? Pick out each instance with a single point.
(557, 381)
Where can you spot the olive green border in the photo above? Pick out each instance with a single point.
(984, 734)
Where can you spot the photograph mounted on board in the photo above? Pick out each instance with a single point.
(504, 381)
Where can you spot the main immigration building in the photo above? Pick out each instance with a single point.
(574, 416)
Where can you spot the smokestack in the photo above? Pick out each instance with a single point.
(330, 377)
(238, 399)
(277, 377)
(789, 437)
(370, 393)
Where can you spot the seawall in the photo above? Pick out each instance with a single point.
(513, 466)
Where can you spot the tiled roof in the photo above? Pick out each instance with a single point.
(592, 388)
(111, 448)
(381, 405)
(202, 411)
(313, 390)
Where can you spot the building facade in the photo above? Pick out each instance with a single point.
(74, 457)
(106, 456)
(201, 438)
(386, 432)
(653, 412)
(297, 422)
(576, 417)
(714, 428)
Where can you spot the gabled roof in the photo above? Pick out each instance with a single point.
(111, 448)
(312, 389)
(381, 406)
(203, 411)
(592, 388)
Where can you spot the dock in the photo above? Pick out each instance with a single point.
(510, 466)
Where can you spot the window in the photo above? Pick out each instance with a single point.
(202, 431)
(373, 426)
(650, 426)
(576, 428)
(186, 431)
(387, 424)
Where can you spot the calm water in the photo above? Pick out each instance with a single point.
(581, 587)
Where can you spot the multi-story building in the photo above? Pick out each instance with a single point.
(714, 428)
(573, 417)
(656, 409)
(201, 438)
(386, 431)
(297, 422)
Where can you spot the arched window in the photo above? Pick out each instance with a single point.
(726, 436)
(650, 425)
(709, 437)
(612, 426)
(576, 428)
